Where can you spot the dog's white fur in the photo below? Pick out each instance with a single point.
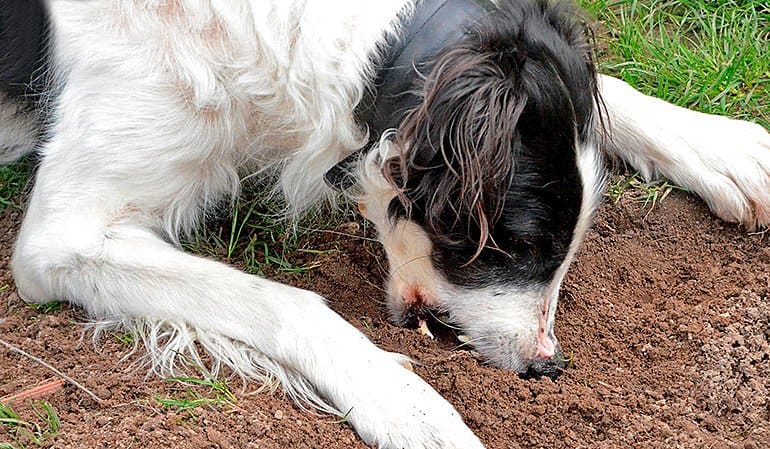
(725, 161)
(168, 103)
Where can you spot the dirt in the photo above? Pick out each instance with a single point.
(665, 313)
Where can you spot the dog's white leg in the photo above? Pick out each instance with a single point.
(117, 269)
(725, 161)
(115, 184)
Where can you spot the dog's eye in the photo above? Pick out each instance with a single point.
(528, 247)
(534, 250)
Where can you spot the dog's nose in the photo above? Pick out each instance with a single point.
(552, 368)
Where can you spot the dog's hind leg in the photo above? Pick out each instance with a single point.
(725, 161)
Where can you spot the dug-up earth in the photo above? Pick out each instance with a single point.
(665, 314)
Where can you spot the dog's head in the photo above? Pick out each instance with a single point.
(483, 194)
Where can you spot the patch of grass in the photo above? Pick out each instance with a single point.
(256, 236)
(46, 308)
(24, 433)
(127, 338)
(13, 180)
(712, 56)
(650, 194)
(619, 185)
(216, 393)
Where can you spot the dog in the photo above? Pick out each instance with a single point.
(470, 132)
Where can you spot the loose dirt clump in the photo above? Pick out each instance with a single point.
(665, 315)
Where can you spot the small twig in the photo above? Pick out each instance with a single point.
(39, 391)
(72, 381)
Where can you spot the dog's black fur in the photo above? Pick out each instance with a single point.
(24, 28)
(491, 171)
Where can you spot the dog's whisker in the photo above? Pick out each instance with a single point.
(410, 261)
(442, 322)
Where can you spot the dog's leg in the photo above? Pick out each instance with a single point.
(117, 269)
(725, 161)
(115, 183)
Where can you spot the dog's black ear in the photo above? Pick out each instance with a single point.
(458, 146)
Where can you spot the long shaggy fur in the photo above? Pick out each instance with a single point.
(475, 141)
(172, 348)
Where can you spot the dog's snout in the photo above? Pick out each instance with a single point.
(551, 368)
(412, 305)
(414, 296)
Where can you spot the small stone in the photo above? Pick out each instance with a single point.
(278, 414)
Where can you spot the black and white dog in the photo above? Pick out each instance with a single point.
(470, 131)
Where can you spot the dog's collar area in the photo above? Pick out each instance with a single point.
(432, 27)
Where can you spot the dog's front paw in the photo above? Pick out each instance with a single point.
(736, 181)
(398, 410)
(725, 161)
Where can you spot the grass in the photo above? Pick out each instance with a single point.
(344, 419)
(25, 433)
(13, 180)
(46, 308)
(196, 393)
(126, 338)
(712, 56)
(648, 193)
(255, 236)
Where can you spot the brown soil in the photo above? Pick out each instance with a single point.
(666, 314)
